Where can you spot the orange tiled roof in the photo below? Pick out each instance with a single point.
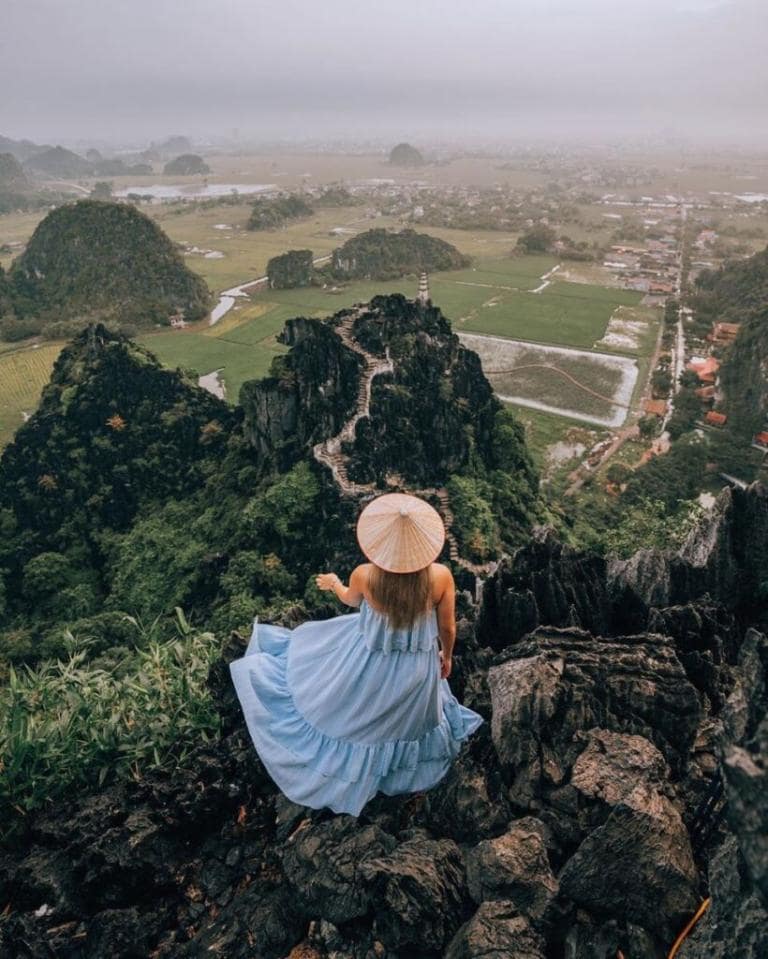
(716, 419)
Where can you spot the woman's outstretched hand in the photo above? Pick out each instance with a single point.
(326, 581)
(445, 665)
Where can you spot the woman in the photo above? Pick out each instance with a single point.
(341, 709)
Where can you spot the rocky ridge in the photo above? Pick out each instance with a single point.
(570, 826)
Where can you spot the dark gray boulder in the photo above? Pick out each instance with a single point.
(514, 867)
(325, 865)
(637, 866)
(497, 931)
(418, 893)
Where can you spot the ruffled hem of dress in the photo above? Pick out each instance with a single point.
(274, 720)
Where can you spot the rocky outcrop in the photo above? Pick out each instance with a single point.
(738, 924)
(311, 392)
(564, 828)
(544, 582)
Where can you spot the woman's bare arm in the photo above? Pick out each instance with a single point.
(446, 616)
(352, 595)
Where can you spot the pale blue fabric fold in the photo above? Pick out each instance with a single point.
(341, 709)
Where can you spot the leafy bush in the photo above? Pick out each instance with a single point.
(651, 524)
(64, 725)
(474, 522)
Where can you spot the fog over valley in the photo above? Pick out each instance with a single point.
(496, 69)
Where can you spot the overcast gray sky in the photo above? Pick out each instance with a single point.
(379, 68)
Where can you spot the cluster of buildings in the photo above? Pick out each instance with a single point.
(650, 265)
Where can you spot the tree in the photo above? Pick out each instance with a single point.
(538, 239)
(290, 270)
(649, 426)
(618, 473)
(102, 190)
(188, 164)
(405, 155)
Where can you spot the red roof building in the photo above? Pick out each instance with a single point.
(705, 369)
(723, 333)
(761, 438)
(716, 419)
(656, 407)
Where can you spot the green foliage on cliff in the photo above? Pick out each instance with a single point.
(188, 164)
(114, 430)
(290, 270)
(93, 259)
(652, 524)
(404, 154)
(268, 214)
(383, 255)
(131, 491)
(738, 293)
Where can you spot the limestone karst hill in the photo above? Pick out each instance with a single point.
(384, 397)
(620, 778)
(385, 255)
(100, 260)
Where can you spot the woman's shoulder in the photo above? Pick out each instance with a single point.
(442, 579)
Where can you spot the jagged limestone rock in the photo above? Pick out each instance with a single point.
(418, 893)
(513, 867)
(326, 865)
(544, 582)
(556, 683)
(638, 865)
(497, 931)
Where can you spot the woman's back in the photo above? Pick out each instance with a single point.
(419, 636)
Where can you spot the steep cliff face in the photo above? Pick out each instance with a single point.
(428, 418)
(571, 825)
(309, 395)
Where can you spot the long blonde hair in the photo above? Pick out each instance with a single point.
(403, 597)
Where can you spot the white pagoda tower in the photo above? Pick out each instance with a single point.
(422, 297)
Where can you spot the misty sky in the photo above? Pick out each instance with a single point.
(377, 68)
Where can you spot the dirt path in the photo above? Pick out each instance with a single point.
(556, 369)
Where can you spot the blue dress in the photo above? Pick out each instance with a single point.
(344, 708)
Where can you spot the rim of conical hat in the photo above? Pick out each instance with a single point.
(400, 533)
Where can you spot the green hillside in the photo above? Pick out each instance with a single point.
(94, 259)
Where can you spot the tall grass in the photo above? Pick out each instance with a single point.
(64, 724)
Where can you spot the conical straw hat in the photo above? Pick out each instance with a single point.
(400, 533)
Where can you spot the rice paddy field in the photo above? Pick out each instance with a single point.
(23, 374)
(582, 385)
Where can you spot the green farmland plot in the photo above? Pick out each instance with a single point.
(567, 314)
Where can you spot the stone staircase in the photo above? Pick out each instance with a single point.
(329, 451)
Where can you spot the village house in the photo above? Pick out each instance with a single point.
(705, 368)
(713, 418)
